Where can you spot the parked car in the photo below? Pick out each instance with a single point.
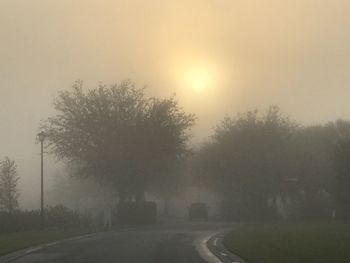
(198, 211)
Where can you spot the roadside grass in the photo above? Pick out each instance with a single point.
(291, 243)
(11, 242)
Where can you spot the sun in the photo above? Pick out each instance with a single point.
(199, 81)
(196, 77)
(199, 78)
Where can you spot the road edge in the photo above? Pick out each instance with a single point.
(211, 248)
(26, 251)
(203, 250)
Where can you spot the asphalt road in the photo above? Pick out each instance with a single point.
(167, 242)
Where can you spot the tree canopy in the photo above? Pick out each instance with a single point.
(246, 150)
(253, 158)
(118, 135)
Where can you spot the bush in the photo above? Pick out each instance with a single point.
(61, 216)
(136, 213)
(247, 209)
(19, 221)
(57, 216)
(316, 207)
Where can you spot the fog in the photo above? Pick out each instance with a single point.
(295, 54)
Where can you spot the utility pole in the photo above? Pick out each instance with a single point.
(41, 137)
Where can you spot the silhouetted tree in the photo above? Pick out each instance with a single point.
(169, 186)
(167, 147)
(342, 164)
(8, 185)
(313, 169)
(252, 158)
(118, 136)
(246, 160)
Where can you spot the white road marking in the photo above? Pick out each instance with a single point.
(204, 252)
(201, 243)
(31, 250)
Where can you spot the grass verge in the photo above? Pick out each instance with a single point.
(291, 243)
(11, 242)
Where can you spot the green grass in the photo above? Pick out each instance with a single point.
(11, 242)
(291, 243)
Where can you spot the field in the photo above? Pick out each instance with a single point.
(291, 243)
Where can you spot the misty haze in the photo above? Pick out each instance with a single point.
(175, 131)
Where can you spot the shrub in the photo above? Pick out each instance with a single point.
(57, 216)
(61, 216)
(136, 213)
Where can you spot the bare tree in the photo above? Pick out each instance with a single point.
(8, 185)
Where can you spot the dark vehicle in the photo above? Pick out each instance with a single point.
(198, 211)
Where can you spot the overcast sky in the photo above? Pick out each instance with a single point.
(218, 56)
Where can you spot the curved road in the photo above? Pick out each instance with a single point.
(167, 242)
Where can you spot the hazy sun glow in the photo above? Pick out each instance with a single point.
(199, 78)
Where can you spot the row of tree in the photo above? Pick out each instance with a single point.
(14, 219)
(259, 163)
(265, 166)
(8, 185)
